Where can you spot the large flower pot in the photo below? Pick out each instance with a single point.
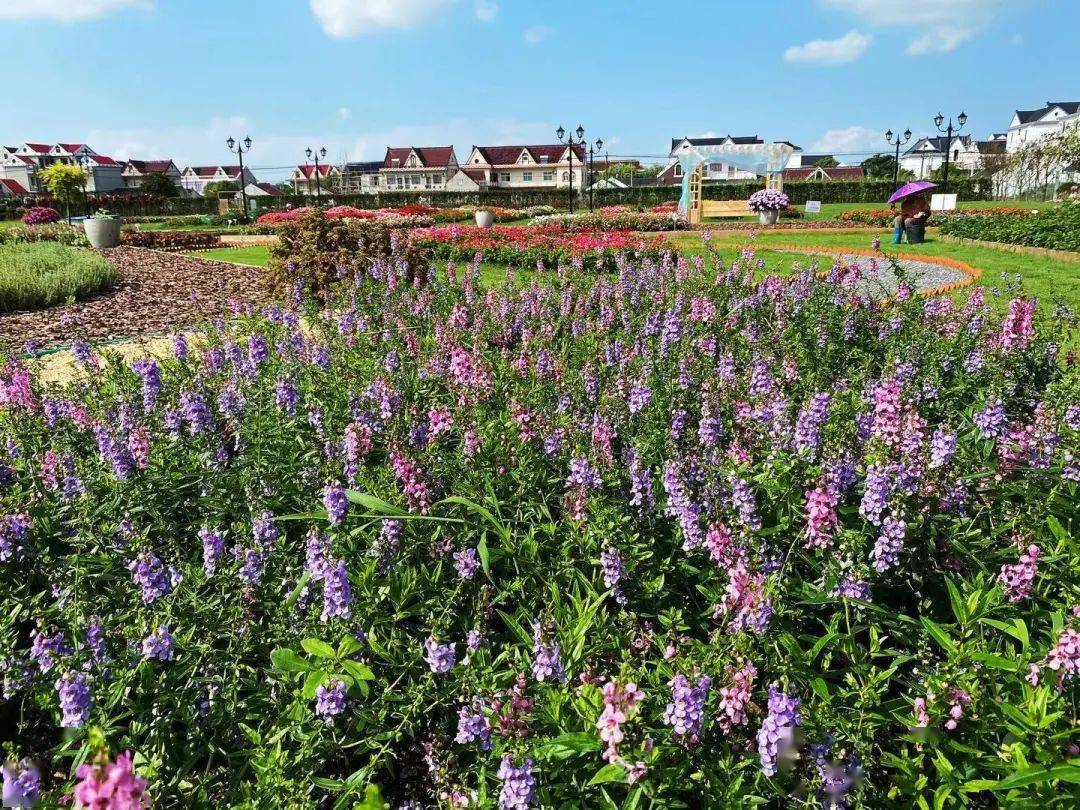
(768, 217)
(103, 232)
(484, 219)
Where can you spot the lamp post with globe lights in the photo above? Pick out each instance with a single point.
(592, 176)
(318, 183)
(239, 149)
(898, 143)
(939, 119)
(569, 140)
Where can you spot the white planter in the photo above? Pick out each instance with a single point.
(768, 217)
(484, 219)
(103, 232)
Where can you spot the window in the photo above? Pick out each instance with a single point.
(526, 177)
(544, 159)
(955, 154)
(549, 177)
(504, 177)
(566, 177)
(678, 170)
(396, 161)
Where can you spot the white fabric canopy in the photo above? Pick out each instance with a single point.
(760, 158)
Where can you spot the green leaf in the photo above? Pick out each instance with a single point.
(1056, 528)
(482, 553)
(312, 682)
(299, 589)
(320, 649)
(820, 645)
(994, 661)
(958, 607)
(347, 646)
(499, 527)
(937, 632)
(569, 744)
(288, 660)
(374, 504)
(613, 772)
(373, 800)
(359, 671)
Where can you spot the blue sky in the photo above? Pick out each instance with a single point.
(174, 78)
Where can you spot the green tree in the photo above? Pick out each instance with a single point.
(215, 188)
(159, 184)
(879, 166)
(65, 182)
(827, 162)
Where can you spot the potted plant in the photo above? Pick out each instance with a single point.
(103, 229)
(484, 218)
(767, 204)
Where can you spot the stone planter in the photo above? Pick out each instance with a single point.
(103, 232)
(768, 217)
(484, 219)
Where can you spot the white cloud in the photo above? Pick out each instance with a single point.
(848, 140)
(65, 10)
(343, 113)
(536, 34)
(942, 24)
(348, 18)
(847, 48)
(486, 10)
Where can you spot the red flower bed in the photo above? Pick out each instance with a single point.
(550, 245)
(40, 216)
(349, 212)
(277, 217)
(885, 216)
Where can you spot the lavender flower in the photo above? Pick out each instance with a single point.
(686, 711)
(337, 593)
(336, 503)
(158, 645)
(149, 574)
(546, 660)
(473, 724)
(440, 657)
(991, 420)
(75, 699)
(330, 701)
(518, 784)
(213, 547)
(466, 562)
(776, 735)
(886, 551)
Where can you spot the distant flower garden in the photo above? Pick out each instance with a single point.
(661, 538)
(548, 245)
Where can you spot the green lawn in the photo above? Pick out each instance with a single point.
(153, 227)
(1049, 279)
(258, 255)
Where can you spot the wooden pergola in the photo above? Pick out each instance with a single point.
(767, 159)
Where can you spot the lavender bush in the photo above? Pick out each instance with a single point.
(768, 199)
(668, 538)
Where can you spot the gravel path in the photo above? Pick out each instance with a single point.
(154, 293)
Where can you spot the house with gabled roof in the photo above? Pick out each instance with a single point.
(526, 166)
(361, 177)
(303, 177)
(1028, 126)
(927, 155)
(103, 174)
(415, 168)
(12, 188)
(195, 179)
(135, 171)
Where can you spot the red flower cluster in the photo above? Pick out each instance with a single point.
(40, 216)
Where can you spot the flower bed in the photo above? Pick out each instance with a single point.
(884, 217)
(1057, 228)
(549, 245)
(170, 240)
(616, 218)
(673, 537)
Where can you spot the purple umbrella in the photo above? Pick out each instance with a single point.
(908, 189)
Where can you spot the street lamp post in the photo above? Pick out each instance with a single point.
(592, 177)
(961, 119)
(318, 183)
(898, 143)
(239, 149)
(561, 133)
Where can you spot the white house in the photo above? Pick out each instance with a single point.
(103, 174)
(195, 179)
(135, 171)
(928, 154)
(22, 163)
(411, 168)
(526, 166)
(262, 190)
(1028, 126)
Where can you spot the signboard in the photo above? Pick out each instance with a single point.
(943, 202)
(813, 206)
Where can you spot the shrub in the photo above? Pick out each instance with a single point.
(40, 216)
(170, 240)
(1057, 227)
(615, 218)
(675, 539)
(315, 252)
(57, 232)
(34, 276)
(883, 217)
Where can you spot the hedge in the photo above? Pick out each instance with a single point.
(1055, 228)
(798, 191)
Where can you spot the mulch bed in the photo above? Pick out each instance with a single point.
(155, 293)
